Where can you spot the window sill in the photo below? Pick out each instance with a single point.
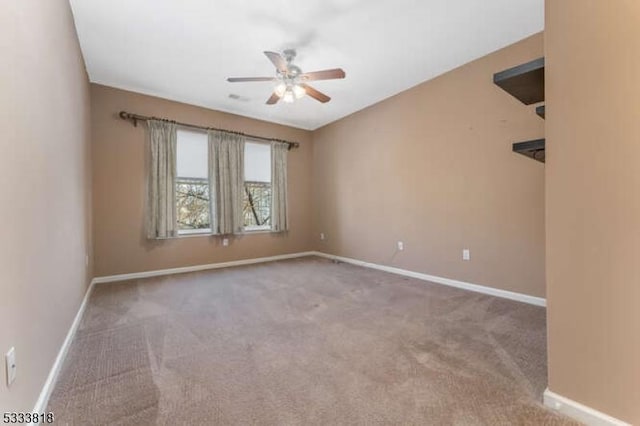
(251, 229)
(188, 233)
(194, 232)
(258, 231)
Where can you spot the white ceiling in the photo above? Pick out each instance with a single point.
(185, 49)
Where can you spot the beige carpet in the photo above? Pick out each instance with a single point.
(299, 342)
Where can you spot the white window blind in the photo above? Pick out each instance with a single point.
(192, 153)
(257, 162)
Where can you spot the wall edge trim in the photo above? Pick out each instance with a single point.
(578, 411)
(45, 393)
(195, 268)
(47, 387)
(551, 399)
(505, 294)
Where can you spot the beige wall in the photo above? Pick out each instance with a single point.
(44, 188)
(119, 189)
(593, 203)
(433, 167)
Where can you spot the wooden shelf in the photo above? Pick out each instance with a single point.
(525, 82)
(532, 149)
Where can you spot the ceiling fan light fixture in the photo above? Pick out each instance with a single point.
(280, 89)
(298, 91)
(288, 96)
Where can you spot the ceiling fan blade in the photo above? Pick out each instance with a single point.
(319, 96)
(243, 79)
(278, 61)
(324, 74)
(273, 99)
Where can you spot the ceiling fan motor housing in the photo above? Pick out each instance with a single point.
(289, 54)
(293, 71)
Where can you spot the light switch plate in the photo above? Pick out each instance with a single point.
(10, 362)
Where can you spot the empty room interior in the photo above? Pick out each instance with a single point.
(320, 212)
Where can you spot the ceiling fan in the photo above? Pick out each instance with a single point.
(291, 81)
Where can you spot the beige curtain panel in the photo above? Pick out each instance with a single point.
(161, 184)
(226, 181)
(279, 214)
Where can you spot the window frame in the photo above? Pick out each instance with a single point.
(247, 229)
(256, 229)
(198, 231)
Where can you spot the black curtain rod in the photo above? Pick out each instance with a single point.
(137, 117)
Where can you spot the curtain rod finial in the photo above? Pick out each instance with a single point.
(126, 116)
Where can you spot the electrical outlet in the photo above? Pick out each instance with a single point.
(225, 242)
(400, 245)
(466, 254)
(10, 361)
(322, 236)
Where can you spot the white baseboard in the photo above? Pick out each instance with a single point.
(579, 412)
(45, 393)
(533, 300)
(525, 298)
(47, 388)
(181, 270)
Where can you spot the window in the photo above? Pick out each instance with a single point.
(192, 183)
(257, 186)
